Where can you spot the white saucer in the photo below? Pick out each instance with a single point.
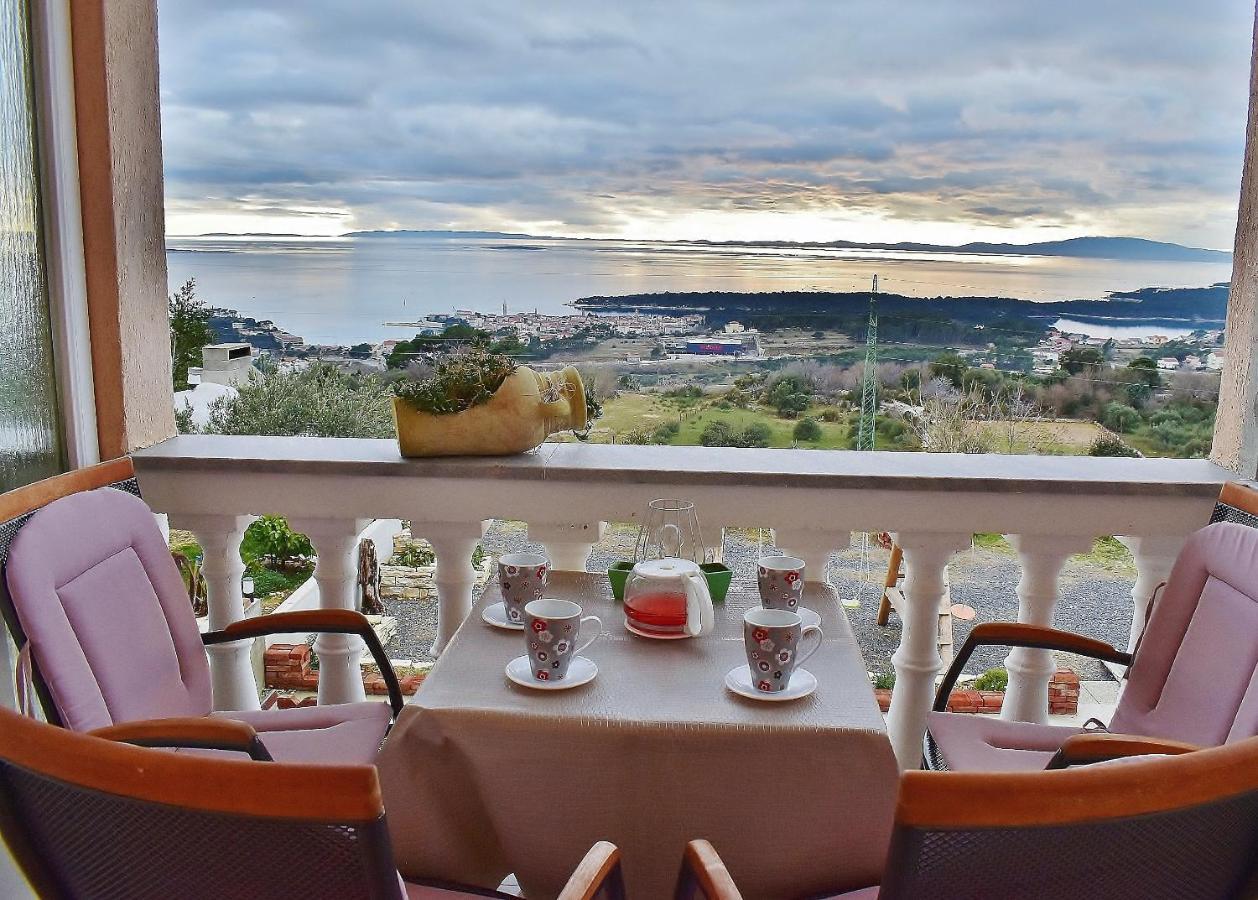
(738, 680)
(580, 671)
(496, 615)
(655, 637)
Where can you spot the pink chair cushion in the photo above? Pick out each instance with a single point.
(985, 743)
(340, 734)
(1195, 676)
(107, 615)
(869, 893)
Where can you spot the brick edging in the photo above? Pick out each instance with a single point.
(287, 667)
(1063, 697)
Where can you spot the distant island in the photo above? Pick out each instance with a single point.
(1080, 247)
(1123, 248)
(960, 320)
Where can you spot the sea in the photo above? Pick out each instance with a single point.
(346, 290)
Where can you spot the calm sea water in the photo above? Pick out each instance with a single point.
(344, 290)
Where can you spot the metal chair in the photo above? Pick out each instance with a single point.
(95, 602)
(1201, 635)
(86, 816)
(1137, 828)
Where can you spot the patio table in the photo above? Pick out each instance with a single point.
(482, 777)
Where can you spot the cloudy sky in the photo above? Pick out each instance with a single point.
(940, 120)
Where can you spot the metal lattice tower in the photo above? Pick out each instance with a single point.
(869, 386)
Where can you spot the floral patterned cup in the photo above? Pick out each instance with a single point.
(522, 577)
(551, 629)
(781, 582)
(772, 638)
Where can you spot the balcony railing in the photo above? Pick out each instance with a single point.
(1049, 507)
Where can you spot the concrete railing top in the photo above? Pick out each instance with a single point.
(706, 466)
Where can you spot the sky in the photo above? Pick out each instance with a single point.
(942, 121)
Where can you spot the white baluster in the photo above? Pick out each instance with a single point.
(1030, 670)
(336, 573)
(452, 545)
(917, 661)
(813, 547)
(1155, 557)
(231, 669)
(567, 544)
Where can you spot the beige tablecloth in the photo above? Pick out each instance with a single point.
(482, 777)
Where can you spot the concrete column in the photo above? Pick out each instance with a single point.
(336, 573)
(917, 661)
(118, 125)
(231, 670)
(1030, 670)
(452, 545)
(1236, 428)
(567, 544)
(1155, 557)
(813, 547)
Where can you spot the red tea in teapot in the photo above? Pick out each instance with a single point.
(667, 598)
(657, 612)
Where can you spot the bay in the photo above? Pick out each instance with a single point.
(344, 290)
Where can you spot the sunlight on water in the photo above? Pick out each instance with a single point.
(343, 290)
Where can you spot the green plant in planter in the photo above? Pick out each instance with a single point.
(454, 381)
(473, 401)
(189, 566)
(884, 681)
(992, 680)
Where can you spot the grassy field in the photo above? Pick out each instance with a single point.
(646, 411)
(1056, 436)
(628, 412)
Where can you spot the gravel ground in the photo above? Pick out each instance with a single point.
(1096, 598)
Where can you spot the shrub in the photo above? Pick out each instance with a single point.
(1111, 445)
(807, 430)
(1120, 417)
(413, 554)
(719, 433)
(992, 680)
(319, 400)
(269, 541)
(884, 681)
(757, 434)
(270, 581)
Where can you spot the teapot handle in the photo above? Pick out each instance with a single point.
(700, 616)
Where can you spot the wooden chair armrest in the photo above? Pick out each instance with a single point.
(193, 732)
(1084, 749)
(1017, 634)
(703, 874)
(597, 875)
(327, 621)
(1240, 496)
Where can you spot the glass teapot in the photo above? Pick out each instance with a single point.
(668, 598)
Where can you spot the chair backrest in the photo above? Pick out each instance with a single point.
(1195, 675)
(87, 817)
(1139, 829)
(89, 582)
(1237, 503)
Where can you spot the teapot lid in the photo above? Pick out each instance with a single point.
(666, 567)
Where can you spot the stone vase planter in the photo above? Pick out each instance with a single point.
(526, 408)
